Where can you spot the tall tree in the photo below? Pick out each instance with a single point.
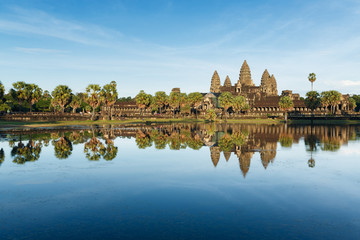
(34, 94)
(161, 99)
(75, 103)
(142, 100)
(226, 101)
(312, 79)
(110, 95)
(61, 96)
(93, 98)
(312, 101)
(286, 104)
(2, 91)
(21, 92)
(335, 98)
(174, 101)
(239, 103)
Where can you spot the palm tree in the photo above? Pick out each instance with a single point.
(312, 101)
(75, 103)
(226, 101)
(34, 93)
(109, 94)
(61, 96)
(94, 99)
(286, 104)
(312, 79)
(239, 103)
(142, 100)
(174, 101)
(161, 99)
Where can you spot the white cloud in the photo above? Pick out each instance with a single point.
(350, 83)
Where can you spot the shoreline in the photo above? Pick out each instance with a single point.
(35, 124)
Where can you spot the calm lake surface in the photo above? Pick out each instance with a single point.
(182, 181)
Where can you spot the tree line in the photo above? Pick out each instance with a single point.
(23, 97)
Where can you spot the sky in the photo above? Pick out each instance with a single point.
(161, 44)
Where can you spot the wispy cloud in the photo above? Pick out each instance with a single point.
(40, 50)
(36, 22)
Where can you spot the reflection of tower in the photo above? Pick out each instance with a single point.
(227, 155)
(215, 155)
(269, 154)
(244, 160)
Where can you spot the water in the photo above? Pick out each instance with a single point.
(181, 181)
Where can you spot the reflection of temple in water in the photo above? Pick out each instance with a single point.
(238, 140)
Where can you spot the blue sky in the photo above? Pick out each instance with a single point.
(158, 45)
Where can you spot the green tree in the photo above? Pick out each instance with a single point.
(210, 115)
(286, 104)
(312, 101)
(352, 103)
(312, 79)
(61, 96)
(2, 91)
(143, 100)
(226, 101)
(331, 98)
(93, 98)
(21, 93)
(357, 101)
(161, 99)
(174, 101)
(239, 103)
(195, 100)
(75, 103)
(34, 94)
(110, 95)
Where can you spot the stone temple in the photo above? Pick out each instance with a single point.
(263, 98)
(245, 85)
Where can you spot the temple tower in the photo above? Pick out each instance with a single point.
(268, 84)
(227, 82)
(273, 85)
(215, 83)
(265, 82)
(245, 75)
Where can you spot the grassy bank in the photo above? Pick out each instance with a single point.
(34, 124)
(7, 124)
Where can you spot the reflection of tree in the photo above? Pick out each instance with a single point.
(331, 144)
(311, 162)
(63, 148)
(286, 140)
(226, 143)
(175, 141)
(143, 140)
(311, 142)
(94, 149)
(2, 156)
(26, 153)
(110, 151)
(160, 139)
(195, 142)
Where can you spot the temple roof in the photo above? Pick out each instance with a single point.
(227, 82)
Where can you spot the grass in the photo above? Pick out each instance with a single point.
(34, 124)
(90, 122)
